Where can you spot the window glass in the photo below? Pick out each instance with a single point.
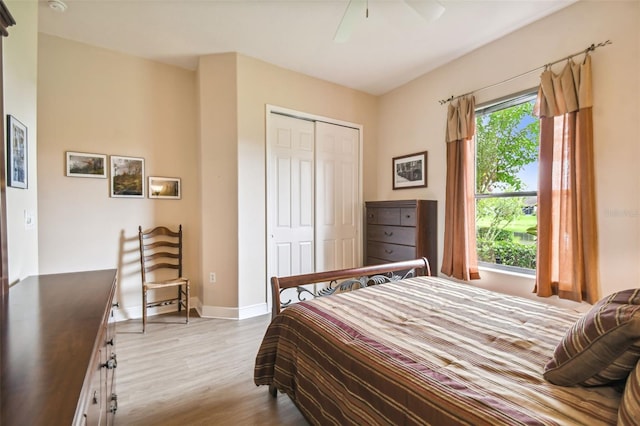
(507, 135)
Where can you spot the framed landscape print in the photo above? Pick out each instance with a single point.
(410, 171)
(164, 187)
(17, 153)
(81, 164)
(127, 177)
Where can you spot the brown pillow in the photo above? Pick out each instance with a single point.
(601, 347)
(629, 410)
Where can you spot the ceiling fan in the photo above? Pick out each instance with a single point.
(429, 10)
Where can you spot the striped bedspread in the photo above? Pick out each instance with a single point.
(425, 351)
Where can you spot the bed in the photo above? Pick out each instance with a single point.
(415, 349)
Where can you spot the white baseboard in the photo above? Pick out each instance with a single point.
(135, 312)
(245, 312)
(205, 311)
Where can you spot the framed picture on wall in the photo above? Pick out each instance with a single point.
(17, 153)
(164, 187)
(81, 164)
(127, 177)
(410, 171)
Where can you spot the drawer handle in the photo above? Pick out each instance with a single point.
(110, 342)
(95, 397)
(111, 363)
(114, 403)
(388, 234)
(408, 216)
(388, 251)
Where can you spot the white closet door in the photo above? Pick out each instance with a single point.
(338, 212)
(291, 196)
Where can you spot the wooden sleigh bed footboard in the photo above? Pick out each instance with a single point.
(354, 278)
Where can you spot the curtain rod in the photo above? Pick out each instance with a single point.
(585, 51)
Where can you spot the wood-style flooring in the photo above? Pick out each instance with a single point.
(196, 374)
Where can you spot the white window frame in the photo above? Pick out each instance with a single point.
(488, 108)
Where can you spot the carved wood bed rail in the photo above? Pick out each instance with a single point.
(355, 277)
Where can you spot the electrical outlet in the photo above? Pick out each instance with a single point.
(212, 277)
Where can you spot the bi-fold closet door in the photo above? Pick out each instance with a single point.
(313, 196)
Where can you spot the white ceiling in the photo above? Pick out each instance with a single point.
(391, 47)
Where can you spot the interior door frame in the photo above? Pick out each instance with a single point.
(6, 20)
(269, 109)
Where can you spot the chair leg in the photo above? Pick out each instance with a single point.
(187, 305)
(144, 309)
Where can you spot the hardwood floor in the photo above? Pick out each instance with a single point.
(196, 374)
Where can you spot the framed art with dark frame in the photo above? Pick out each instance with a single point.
(127, 177)
(410, 171)
(17, 153)
(164, 187)
(82, 164)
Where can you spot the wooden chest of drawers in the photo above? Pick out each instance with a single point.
(401, 230)
(58, 358)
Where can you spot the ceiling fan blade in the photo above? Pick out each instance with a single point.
(355, 11)
(429, 10)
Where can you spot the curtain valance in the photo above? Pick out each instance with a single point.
(565, 92)
(461, 119)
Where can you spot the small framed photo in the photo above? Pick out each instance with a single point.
(410, 171)
(127, 177)
(17, 153)
(164, 187)
(81, 164)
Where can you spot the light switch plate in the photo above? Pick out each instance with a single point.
(29, 219)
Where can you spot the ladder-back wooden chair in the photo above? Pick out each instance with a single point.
(161, 267)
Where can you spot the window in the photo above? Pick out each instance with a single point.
(507, 135)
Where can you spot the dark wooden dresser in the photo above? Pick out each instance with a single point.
(401, 230)
(58, 350)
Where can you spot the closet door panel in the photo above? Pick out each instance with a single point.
(337, 188)
(291, 204)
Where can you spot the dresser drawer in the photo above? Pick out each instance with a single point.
(390, 252)
(95, 406)
(408, 217)
(392, 234)
(383, 216)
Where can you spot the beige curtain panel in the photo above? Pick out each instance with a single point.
(567, 260)
(460, 259)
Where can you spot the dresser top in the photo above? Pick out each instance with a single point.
(49, 331)
(398, 203)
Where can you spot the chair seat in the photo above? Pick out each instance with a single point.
(166, 283)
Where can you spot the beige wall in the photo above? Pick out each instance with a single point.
(94, 100)
(412, 115)
(260, 84)
(20, 51)
(218, 162)
(237, 199)
(207, 128)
